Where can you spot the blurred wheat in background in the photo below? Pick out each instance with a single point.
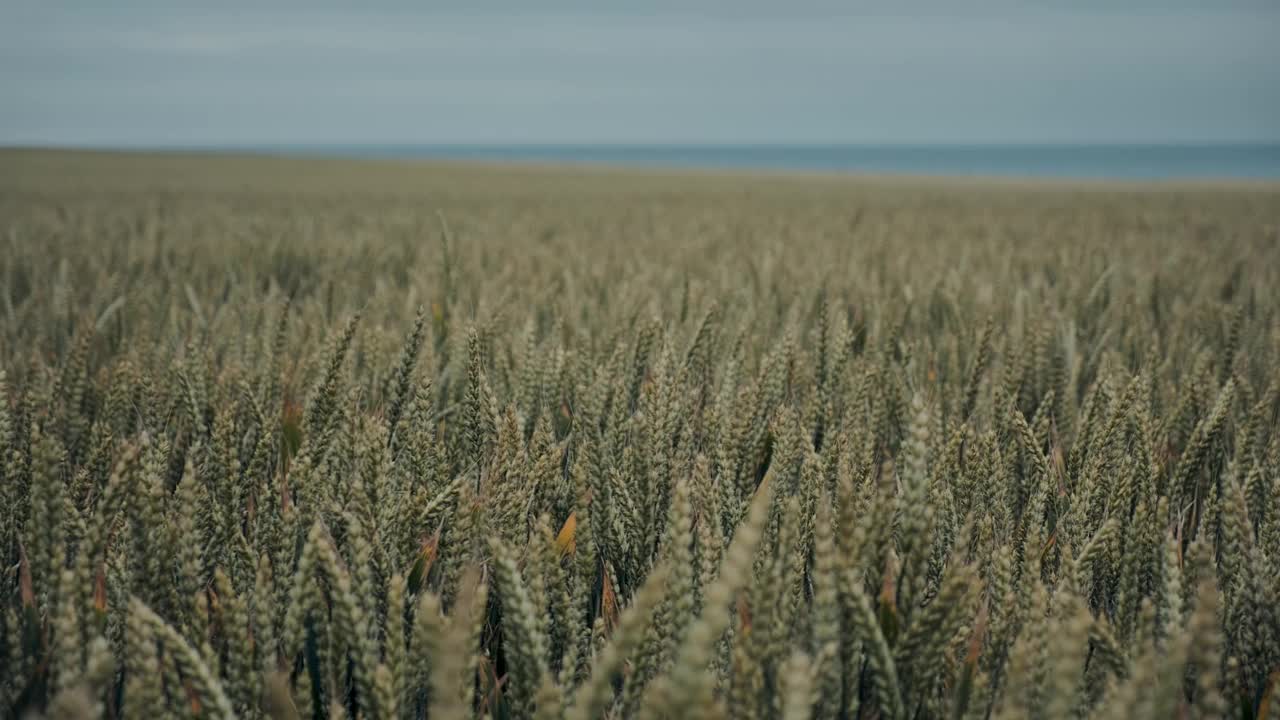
(296, 439)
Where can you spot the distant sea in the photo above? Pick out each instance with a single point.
(1217, 161)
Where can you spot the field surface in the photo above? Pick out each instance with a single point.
(300, 438)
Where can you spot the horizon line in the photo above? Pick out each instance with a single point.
(639, 145)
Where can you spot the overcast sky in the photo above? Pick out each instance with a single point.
(130, 73)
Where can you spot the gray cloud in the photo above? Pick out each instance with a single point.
(137, 73)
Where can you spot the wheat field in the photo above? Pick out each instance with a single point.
(286, 438)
